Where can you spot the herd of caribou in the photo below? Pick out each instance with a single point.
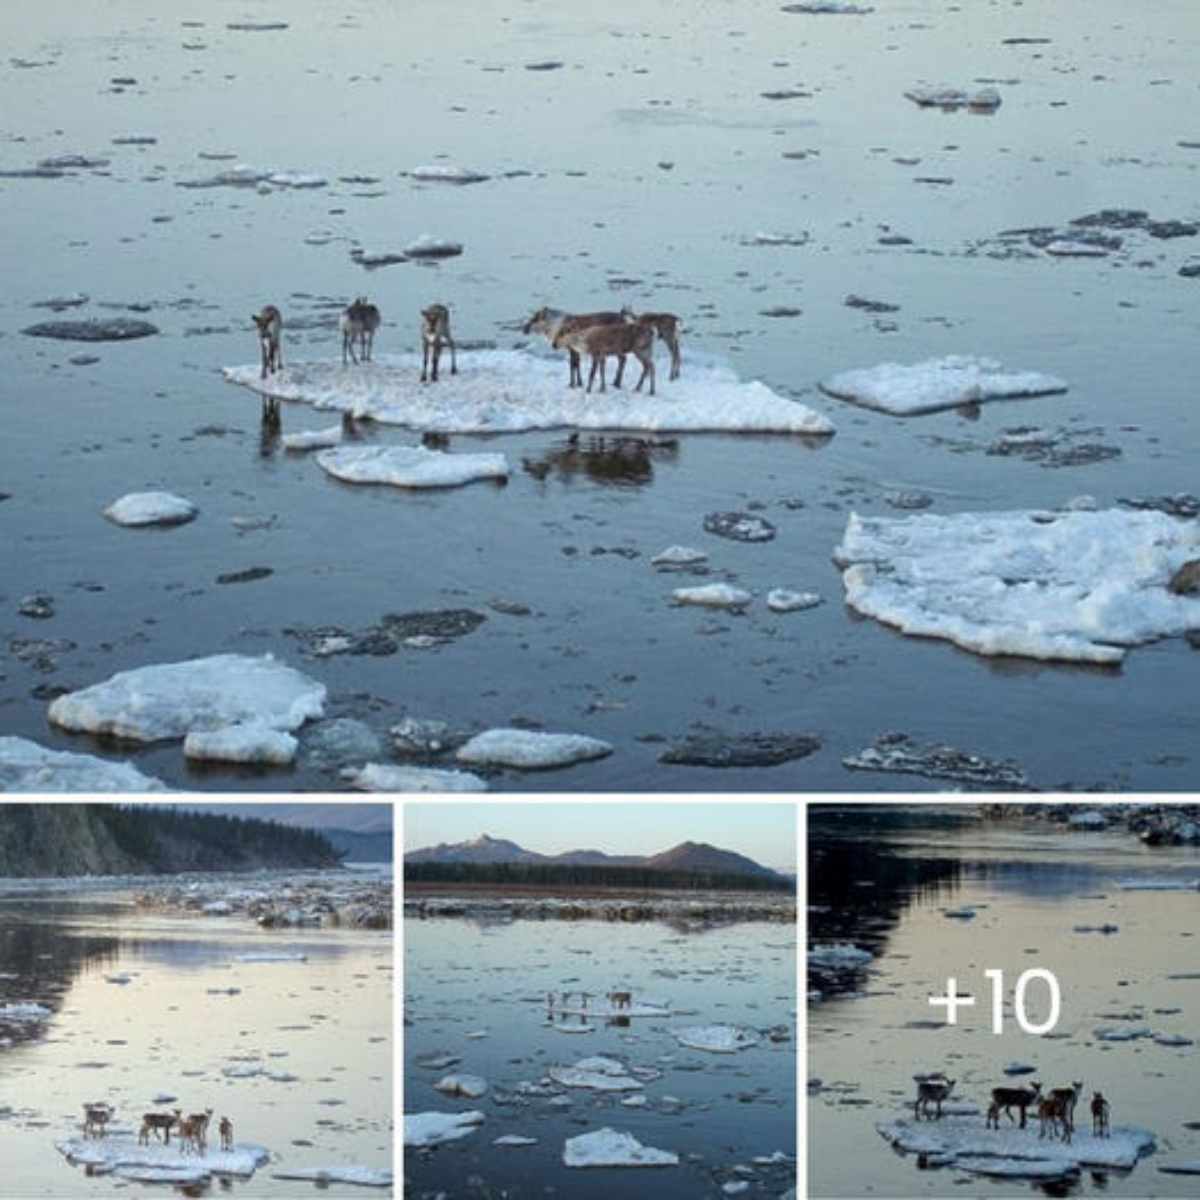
(599, 335)
(191, 1131)
(1055, 1109)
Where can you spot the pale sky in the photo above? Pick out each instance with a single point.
(762, 830)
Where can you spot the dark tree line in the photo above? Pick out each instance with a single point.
(543, 875)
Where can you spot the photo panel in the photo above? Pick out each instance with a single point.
(1002, 998)
(600, 998)
(197, 997)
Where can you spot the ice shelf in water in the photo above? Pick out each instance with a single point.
(962, 1138)
(717, 1039)
(170, 700)
(1072, 586)
(27, 767)
(510, 391)
(150, 508)
(530, 750)
(123, 1151)
(410, 466)
(433, 1128)
(609, 1148)
(909, 389)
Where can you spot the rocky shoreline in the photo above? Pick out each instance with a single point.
(1151, 824)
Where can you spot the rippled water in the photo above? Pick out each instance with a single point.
(327, 1021)
(477, 990)
(634, 171)
(884, 884)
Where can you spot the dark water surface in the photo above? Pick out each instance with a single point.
(582, 211)
(883, 882)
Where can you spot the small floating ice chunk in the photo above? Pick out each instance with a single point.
(470, 1086)
(598, 1073)
(839, 956)
(1159, 885)
(1172, 1039)
(248, 743)
(937, 383)
(24, 1011)
(1018, 1068)
(313, 439)
(151, 508)
(825, 7)
(433, 1128)
(428, 246)
(118, 977)
(447, 174)
(717, 1039)
(609, 1148)
(943, 96)
(514, 1139)
(27, 767)
(1122, 1033)
(169, 700)
(362, 1176)
(530, 750)
(1077, 586)
(676, 558)
(964, 913)
(297, 179)
(272, 956)
(1076, 248)
(782, 600)
(410, 466)
(243, 1070)
(713, 595)
(384, 777)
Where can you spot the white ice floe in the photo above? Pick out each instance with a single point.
(609, 1148)
(599, 1074)
(677, 558)
(297, 179)
(122, 1152)
(243, 1070)
(313, 439)
(151, 508)
(713, 595)
(428, 246)
(965, 913)
(272, 956)
(170, 700)
(1130, 1032)
(782, 600)
(247, 743)
(433, 1128)
(362, 1176)
(410, 466)
(717, 1039)
(966, 1139)
(385, 777)
(511, 391)
(839, 956)
(1076, 248)
(943, 96)
(1076, 586)
(514, 1139)
(470, 1086)
(834, 7)
(1172, 1039)
(23, 1010)
(909, 389)
(447, 174)
(27, 767)
(531, 750)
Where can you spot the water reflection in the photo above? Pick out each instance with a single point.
(618, 461)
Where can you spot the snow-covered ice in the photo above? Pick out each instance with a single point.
(362, 1176)
(151, 508)
(410, 466)
(717, 1039)
(960, 1138)
(511, 391)
(531, 750)
(170, 700)
(1077, 586)
(433, 1128)
(23, 1010)
(839, 956)
(514, 1139)
(243, 743)
(609, 1148)
(446, 174)
(783, 600)
(713, 595)
(428, 246)
(909, 389)
(272, 956)
(470, 1086)
(313, 439)
(944, 96)
(123, 1151)
(678, 558)
(386, 777)
(27, 767)
(598, 1074)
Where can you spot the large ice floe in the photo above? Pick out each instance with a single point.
(717, 1039)
(1007, 1149)
(151, 508)
(122, 1155)
(1071, 586)
(410, 466)
(510, 391)
(433, 1128)
(598, 1074)
(171, 700)
(909, 389)
(610, 1148)
(531, 750)
(27, 767)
